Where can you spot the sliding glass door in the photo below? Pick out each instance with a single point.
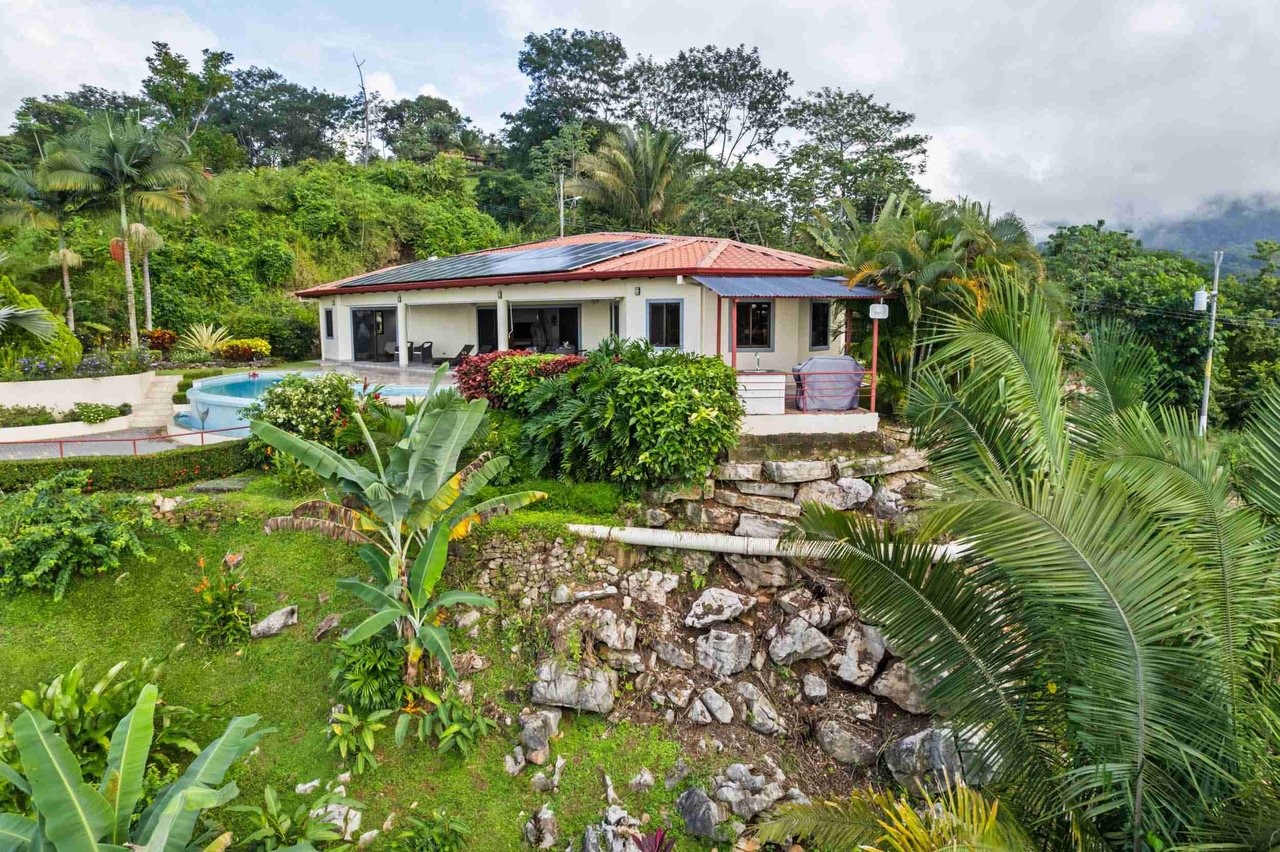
(373, 334)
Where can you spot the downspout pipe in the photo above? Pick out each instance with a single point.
(719, 542)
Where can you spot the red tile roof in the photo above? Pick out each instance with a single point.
(679, 255)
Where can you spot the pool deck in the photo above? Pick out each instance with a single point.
(387, 374)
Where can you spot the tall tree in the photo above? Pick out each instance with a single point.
(853, 148)
(422, 127)
(144, 241)
(126, 165)
(33, 202)
(186, 95)
(279, 123)
(724, 102)
(632, 179)
(742, 202)
(573, 76)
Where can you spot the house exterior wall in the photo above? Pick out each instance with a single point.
(447, 317)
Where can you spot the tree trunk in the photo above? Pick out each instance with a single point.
(66, 280)
(146, 287)
(130, 301)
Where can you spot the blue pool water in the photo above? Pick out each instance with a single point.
(218, 402)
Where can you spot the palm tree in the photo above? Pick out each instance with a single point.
(34, 203)
(982, 243)
(124, 164)
(144, 241)
(632, 178)
(1104, 641)
(34, 321)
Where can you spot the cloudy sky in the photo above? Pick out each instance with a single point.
(1120, 109)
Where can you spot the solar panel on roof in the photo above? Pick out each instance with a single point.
(517, 262)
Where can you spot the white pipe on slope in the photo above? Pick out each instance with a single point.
(716, 542)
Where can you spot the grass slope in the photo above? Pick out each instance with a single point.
(143, 611)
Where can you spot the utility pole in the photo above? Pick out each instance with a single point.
(560, 193)
(364, 96)
(1212, 300)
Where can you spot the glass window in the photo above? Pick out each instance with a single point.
(664, 324)
(755, 325)
(328, 322)
(819, 325)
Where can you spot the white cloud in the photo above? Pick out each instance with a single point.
(51, 46)
(1098, 108)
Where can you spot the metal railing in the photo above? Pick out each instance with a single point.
(162, 437)
(807, 391)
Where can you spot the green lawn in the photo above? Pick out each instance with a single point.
(143, 611)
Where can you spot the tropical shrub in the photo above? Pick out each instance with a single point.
(61, 348)
(454, 724)
(292, 476)
(160, 339)
(289, 326)
(311, 407)
(135, 473)
(510, 379)
(222, 603)
(65, 808)
(204, 337)
(276, 826)
(354, 737)
(189, 378)
(83, 712)
(53, 531)
(438, 832)
(41, 367)
(244, 349)
(97, 363)
(126, 362)
(633, 414)
(25, 415)
(370, 674)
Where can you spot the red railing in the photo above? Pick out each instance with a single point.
(801, 392)
(161, 437)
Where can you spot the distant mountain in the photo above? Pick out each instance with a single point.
(1232, 225)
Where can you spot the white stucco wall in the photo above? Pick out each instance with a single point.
(447, 317)
(63, 394)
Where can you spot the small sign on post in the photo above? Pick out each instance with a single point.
(879, 311)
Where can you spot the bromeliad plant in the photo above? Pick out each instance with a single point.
(409, 507)
(71, 815)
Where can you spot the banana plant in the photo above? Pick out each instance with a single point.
(71, 815)
(412, 487)
(411, 604)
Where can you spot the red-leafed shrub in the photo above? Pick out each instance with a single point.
(162, 339)
(505, 377)
(472, 375)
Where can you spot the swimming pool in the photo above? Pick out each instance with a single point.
(217, 403)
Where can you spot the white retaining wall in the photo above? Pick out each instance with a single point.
(63, 394)
(48, 431)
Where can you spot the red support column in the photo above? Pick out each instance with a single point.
(733, 334)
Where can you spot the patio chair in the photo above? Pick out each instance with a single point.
(391, 350)
(424, 352)
(462, 353)
(484, 349)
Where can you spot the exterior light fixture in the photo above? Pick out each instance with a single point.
(637, 291)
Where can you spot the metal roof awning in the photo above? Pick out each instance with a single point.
(785, 287)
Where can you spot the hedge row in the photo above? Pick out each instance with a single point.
(135, 473)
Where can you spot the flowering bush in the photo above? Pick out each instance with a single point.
(96, 412)
(41, 367)
(221, 614)
(244, 349)
(125, 362)
(313, 407)
(162, 339)
(96, 364)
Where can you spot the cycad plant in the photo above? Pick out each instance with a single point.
(70, 815)
(1104, 643)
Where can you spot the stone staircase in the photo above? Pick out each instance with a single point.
(156, 409)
